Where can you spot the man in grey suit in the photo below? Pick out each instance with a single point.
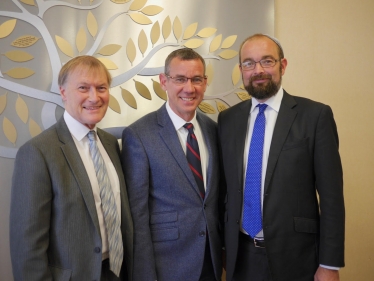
(299, 235)
(60, 217)
(175, 207)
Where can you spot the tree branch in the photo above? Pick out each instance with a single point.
(124, 77)
(44, 6)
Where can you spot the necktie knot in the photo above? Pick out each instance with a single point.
(91, 135)
(261, 107)
(189, 127)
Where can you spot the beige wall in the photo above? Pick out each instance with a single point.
(329, 46)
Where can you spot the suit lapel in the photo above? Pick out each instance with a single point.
(76, 165)
(170, 137)
(241, 128)
(209, 138)
(285, 119)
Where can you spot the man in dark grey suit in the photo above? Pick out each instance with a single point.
(59, 227)
(175, 207)
(298, 237)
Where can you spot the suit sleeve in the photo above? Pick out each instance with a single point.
(136, 170)
(329, 184)
(30, 213)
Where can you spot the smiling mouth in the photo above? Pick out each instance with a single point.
(187, 99)
(91, 107)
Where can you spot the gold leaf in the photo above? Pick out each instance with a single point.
(216, 42)
(29, 2)
(92, 24)
(20, 72)
(242, 87)
(110, 65)
(64, 46)
(243, 96)
(207, 32)
(142, 42)
(109, 50)
(22, 109)
(228, 54)
(114, 104)
(25, 41)
(210, 73)
(137, 5)
(34, 128)
(9, 130)
(159, 91)
(130, 50)
(3, 100)
(141, 19)
(235, 75)
(155, 32)
(177, 28)
(152, 10)
(229, 41)
(207, 108)
(143, 90)
(190, 31)
(18, 56)
(129, 98)
(221, 106)
(166, 28)
(7, 27)
(120, 1)
(81, 40)
(194, 43)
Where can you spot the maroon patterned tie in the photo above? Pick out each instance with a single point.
(193, 158)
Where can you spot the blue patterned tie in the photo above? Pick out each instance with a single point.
(111, 218)
(252, 218)
(193, 158)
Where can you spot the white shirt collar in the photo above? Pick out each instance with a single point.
(178, 122)
(76, 128)
(274, 102)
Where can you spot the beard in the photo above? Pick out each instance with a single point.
(265, 90)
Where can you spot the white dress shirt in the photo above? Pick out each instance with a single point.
(178, 123)
(271, 114)
(79, 133)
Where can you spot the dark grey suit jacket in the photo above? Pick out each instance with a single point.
(54, 229)
(170, 217)
(303, 160)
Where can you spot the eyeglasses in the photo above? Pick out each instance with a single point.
(265, 63)
(181, 80)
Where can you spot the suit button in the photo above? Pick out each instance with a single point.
(239, 190)
(204, 206)
(97, 250)
(202, 233)
(237, 222)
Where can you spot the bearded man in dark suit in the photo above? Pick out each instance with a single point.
(276, 227)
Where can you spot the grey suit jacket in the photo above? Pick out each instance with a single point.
(303, 160)
(170, 217)
(54, 229)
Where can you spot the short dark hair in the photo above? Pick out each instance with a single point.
(89, 61)
(182, 54)
(259, 35)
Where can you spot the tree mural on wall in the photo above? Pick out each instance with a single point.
(165, 31)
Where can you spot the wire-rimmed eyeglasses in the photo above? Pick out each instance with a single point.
(181, 80)
(250, 64)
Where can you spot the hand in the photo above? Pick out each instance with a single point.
(324, 274)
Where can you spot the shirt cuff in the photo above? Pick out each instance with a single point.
(329, 267)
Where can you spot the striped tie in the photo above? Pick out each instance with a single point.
(111, 217)
(193, 158)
